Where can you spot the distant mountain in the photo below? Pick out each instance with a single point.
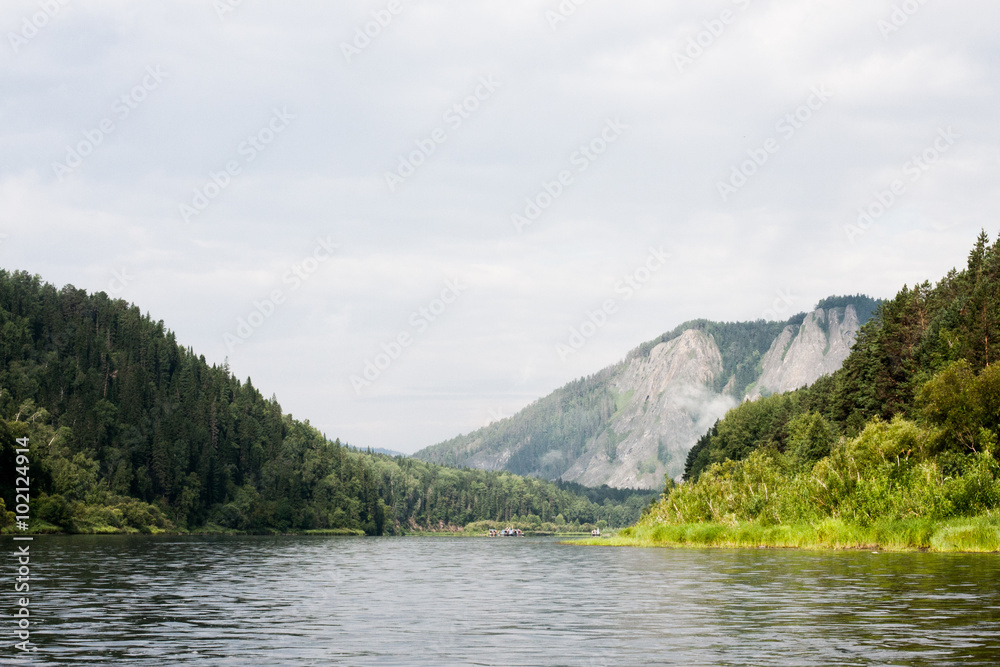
(630, 424)
(388, 452)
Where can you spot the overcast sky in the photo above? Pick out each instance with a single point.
(287, 185)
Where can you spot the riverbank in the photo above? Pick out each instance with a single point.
(479, 533)
(48, 529)
(472, 530)
(978, 534)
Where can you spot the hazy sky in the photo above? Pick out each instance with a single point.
(436, 194)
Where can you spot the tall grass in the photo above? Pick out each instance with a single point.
(977, 534)
(879, 490)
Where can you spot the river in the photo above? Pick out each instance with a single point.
(261, 601)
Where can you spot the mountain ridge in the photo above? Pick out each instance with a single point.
(633, 422)
(130, 431)
(895, 450)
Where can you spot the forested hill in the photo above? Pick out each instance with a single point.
(951, 327)
(131, 431)
(899, 448)
(630, 424)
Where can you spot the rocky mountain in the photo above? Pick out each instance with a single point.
(630, 424)
(799, 356)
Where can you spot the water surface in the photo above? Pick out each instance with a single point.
(440, 601)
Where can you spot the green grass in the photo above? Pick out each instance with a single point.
(622, 400)
(977, 534)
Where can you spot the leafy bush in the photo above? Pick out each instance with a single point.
(54, 510)
(884, 474)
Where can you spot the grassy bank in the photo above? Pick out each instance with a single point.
(978, 534)
(890, 488)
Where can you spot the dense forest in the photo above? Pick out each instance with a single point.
(562, 423)
(131, 431)
(925, 332)
(907, 429)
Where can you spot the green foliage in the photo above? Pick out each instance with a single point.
(6, 518)
(749, 426)
(611, 441)
(605, 494)
(131, 432)
(865, 306)
(315, 485)
(979, 534)
(810, 437)
(54, 510)
(622, 400)
(647, 467)
(699, 456)
(663, 453)
(941, 333)
(426, 497)
(883, 474)
(898, 446)
(548, 436)
(963, 405)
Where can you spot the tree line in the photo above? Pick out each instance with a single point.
(908, 427)
(132, 431)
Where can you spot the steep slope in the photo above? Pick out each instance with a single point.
(634, 422)
(917, 337)
(800, 357)
(130, 431)
(666, 402)
(897, 448)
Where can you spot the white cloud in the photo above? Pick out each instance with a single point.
(493, 350)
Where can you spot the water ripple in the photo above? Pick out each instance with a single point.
(411, 601)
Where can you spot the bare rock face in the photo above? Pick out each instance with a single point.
(664, 404)
(798, 358)
(634, 422)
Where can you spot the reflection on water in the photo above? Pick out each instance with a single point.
(415, 601)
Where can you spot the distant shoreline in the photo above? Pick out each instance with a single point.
(335, 532)
(963, 535)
